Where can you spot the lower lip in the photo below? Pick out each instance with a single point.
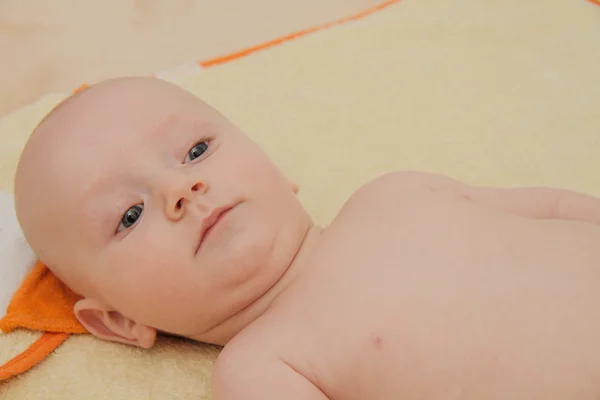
(219, 219)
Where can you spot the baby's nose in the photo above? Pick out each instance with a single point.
(179, 197)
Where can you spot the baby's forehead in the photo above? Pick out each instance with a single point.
(100, 127)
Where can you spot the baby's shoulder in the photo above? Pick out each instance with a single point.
(246, 351)
(255, 362)
(396, 188)
(402, 182)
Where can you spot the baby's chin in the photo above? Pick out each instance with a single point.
(238, 257)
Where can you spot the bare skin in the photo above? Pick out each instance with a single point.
(422, 288)
(426, 288)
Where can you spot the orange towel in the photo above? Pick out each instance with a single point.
(42, 303)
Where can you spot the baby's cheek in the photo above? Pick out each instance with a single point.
(152, 288)
(159, 269)
(144, 265)
(255, 169)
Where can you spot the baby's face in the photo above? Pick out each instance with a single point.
(157, 206)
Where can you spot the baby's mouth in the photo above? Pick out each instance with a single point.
(211, 221)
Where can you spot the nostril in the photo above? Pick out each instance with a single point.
(196, 187)
(178, 205)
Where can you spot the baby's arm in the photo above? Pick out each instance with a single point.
(532, 202)
(236, 379)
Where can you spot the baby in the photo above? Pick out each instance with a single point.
(165, 217)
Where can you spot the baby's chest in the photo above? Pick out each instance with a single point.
(409, 310)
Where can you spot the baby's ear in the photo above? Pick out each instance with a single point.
(107, 324)
(294, 186)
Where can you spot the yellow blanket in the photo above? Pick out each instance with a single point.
(502, 92)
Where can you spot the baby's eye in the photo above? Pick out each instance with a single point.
(130, 217)
(196, 151)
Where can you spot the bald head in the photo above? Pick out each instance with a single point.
(32, 194)
(114, 191)
(60, 153)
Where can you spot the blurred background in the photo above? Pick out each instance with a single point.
(55, 46)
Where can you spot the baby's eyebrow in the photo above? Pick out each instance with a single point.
(102, 218)
(180, 131)
(102, 207)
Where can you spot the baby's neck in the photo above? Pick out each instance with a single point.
(224, 332)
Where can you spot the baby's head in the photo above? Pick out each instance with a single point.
(115, 190)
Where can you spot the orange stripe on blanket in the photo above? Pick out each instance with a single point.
(292, 36)
(250, 50)
(38, 351)
(597, 2)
